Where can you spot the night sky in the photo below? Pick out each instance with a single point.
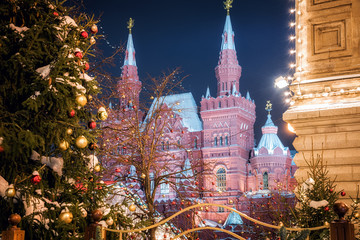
(187, 34)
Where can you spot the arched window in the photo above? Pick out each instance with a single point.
(164, 187)
(162, 146)
(215, 141)
(266, 180)
(207, 106)
(221, 179)
(167, 145)
(221, 141)
(226, 140)
(219, 104)
(223, 86)
(195, 143)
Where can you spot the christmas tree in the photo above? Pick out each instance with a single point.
(316, 198)
(49, 171)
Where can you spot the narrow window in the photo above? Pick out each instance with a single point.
(221, 141)
(226, 140)
(215, 141)
(195, 143)
(219, 104)
(167, 145)
(164, 187)
(221, 209)
(162, 146)
(221, 179)
(266, 180)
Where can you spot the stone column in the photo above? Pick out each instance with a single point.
(325, 107)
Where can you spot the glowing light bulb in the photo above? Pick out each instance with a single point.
(287, 100)
(292, 24)
(342, 90)
(299, 12)
(299, 40)
(287, 93)
(292, 51)
(292, 103)
(292, 65)
(292, 37)
(299, 69)
(292, 10)
(299, 26)
(281, 82)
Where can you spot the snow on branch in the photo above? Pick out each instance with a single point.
(56, 164)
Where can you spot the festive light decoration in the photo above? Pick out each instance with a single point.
(66, 217)
(64, 145)
(10, 192)
(81, 100)
(81, 142)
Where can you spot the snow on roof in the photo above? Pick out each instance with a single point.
(270, 139)
(233, 219)
(184, 106)
(130, 52)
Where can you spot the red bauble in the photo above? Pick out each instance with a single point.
(211, 194)
(1, 149)
(196, 183)
(124, 147)
(331, 190)
(118, 170)
(213, 183)
(203, 188)
(56, 14)
(92, 124)
(326, 208)
(192, 195)
(343, 193)
(84, 34)
(36, 179)
(78, 55)
(72, 113)
(173, 203)
(86, 66)
(188, 215)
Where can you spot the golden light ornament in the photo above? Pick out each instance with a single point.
(83, 212)
(66, 217)
(357, 215)
(102, 114)
(132, 208)
(10, 192)
(69, 131)
(81, 100)
(143, 176)
(81, 142)
(97, 168)
(64, 145)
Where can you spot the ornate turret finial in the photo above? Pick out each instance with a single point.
(227, 5)
(130, 24)
(268, 106)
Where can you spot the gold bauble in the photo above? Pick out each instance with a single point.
(109, 221)
(64, 145)
(356, 215)
(231, 201)
(102, 114)
(69, 131)
(97, 168)
(132, 207)
(81, 142)
(143, 175)
(81, 100)
(66, 217)
(10, 192)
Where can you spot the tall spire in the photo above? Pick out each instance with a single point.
(129, 86)
(228, 71)
(207, 95)
(130, 50)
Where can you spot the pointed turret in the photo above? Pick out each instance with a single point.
(228, 70)
(207, 95)
(270, 139)
(248, 96)
(234, 89)
(129, 86)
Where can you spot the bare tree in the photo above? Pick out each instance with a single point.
(152, 151)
